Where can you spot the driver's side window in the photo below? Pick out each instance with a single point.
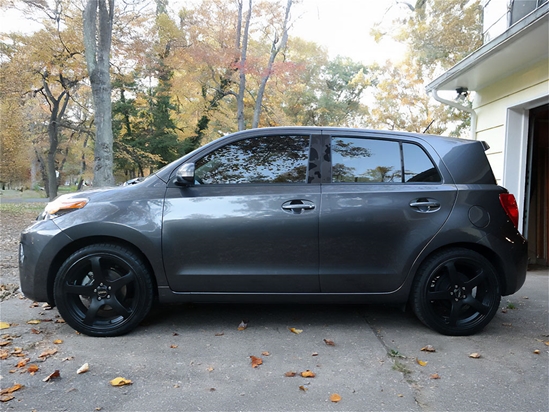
(268, 159)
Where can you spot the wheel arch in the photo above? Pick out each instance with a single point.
(78, 244)
(484, 251)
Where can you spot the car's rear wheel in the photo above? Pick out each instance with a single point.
(103, 290)
(456, 292)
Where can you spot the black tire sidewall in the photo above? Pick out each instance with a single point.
(422, 307)
(142, 282)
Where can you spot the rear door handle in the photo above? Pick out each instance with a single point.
(425, 205)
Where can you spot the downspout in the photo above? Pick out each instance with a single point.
(456, 105)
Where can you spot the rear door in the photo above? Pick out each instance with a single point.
(385, 201)
(250, 222)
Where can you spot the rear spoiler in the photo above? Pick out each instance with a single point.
(485, 145)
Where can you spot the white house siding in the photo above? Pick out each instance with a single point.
(502, 110)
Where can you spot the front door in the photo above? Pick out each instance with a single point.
(250, 222)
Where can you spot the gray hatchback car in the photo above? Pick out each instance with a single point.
(292, 214)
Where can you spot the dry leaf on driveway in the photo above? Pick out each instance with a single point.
(52, 376)
(308, 374)
(296, 331)
(334, 397)
(120, 381)
(428, 348)
(83, 369)
(256, 361)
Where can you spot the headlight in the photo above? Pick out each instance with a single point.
(64, 204)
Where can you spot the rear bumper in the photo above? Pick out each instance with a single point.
(513, 252)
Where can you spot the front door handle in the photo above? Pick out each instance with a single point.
(297, 206)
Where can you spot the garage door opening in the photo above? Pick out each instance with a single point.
(536, 216)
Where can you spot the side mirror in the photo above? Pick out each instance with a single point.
(185, 175)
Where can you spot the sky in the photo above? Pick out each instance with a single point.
(342, 26)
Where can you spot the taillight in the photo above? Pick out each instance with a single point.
(509, 204)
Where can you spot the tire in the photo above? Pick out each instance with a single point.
(103, 290)
(456, 292)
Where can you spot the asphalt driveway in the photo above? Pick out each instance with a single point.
(193, 357)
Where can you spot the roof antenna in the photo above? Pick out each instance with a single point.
(427, 128)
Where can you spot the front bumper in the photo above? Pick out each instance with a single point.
(38, 247)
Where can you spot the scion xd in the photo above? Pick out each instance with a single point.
(292, 214)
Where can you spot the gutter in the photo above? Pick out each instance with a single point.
(456, 105)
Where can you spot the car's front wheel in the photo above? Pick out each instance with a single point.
(456, 292)
(103, 290)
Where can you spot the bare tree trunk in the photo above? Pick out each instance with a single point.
(278, 45)
(57, 106)
(98, 20)
(242, 64)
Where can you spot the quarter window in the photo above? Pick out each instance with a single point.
(418, 167)
(268, 159)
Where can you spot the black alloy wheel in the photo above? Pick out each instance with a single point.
(103, 290)
(456, 292)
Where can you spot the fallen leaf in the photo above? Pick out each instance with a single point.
(11, 389)
(83, 369)
(36, 331)
(334, 397)
(4, 325)
(308, 374)
(5, 342)
(57, 341)
(173, 346)
(120, 382)
(33, 368)
(303, 388)
(6, 398)
(329, 342)
(296, 331)
(475, 355)
(67, 358)
(256, 361)
(435, 376)
(34, 321)
(400, 395)
(503, 310)
(219, 333)
(265, 353)
(59, 321)
(243, 325)
(52, 376)
(421, 363)
(175, 334)
(536, 351)
(210, 369)
(314, 354)
(22, 363)
(290, 374)
(4, 354)
(47, 353)
(546, 343)
(428, 348)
